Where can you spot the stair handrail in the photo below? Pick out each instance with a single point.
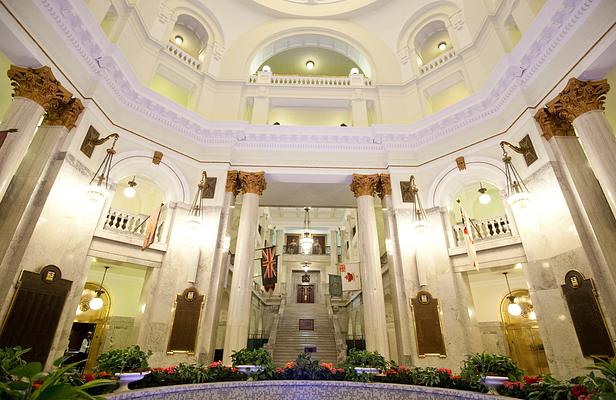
(341, 347)
(271, 342)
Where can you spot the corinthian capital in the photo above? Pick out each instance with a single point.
(385, 185)
(364, 185)
(232, 185)
(579, 97)
(553, 125)
(63, 114)
(38, 85)
(252, 182)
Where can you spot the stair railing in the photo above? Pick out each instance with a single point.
(271, 343)
(341, 347)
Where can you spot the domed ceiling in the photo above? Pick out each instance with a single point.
(317, 8)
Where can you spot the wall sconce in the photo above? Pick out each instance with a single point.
(195, 215)
(518, 195)
(420, 220)
(97, 191)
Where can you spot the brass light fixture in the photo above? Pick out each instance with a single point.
(484, 197)
(98, 188)
(513, 308)
(178, 40)
(309, 65)
(420, 220)
(442, 46)
(195, 215)
(518, 195)
(306, 241)
(96, 303)
(130, 190)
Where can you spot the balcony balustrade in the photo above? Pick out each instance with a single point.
(315, 251)
(488, 229)
(183, 56)
(357, 80)
(133, 225)
(437, 62)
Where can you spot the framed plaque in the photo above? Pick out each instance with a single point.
(185, 325)
(428, 330)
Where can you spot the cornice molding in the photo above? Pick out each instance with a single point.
(512, 75)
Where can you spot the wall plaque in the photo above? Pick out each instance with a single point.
(427, 325)
(185, 325)
(89, 141)
(586, 316)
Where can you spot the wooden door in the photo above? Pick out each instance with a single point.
(305, 293)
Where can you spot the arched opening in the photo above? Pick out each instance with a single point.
(513, 31)
(432, 41)
(189, 35)
(311, 61)
(525, 344)
(109, 20)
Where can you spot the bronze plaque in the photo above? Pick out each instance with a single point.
(35, 312)
(427, 325)
(306, 324)
(185, 322)
(405, 189)
(586, 316)
(530, 155)
(208, 192)
(88, 144)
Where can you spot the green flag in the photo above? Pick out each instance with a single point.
(335, 285)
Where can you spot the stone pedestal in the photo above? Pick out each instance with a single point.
(373, 301)
(238, 315)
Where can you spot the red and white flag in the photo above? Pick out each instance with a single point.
(350, 276)
(468, 238)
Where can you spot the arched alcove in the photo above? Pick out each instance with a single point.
(432, 40)
(190, 35)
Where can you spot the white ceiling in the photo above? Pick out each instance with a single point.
(288, 194)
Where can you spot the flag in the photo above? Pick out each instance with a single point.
(269, 267)
(335, 285)
(468, 238)
(350, 276)
(150, 231)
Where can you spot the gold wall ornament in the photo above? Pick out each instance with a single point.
(384, 185)
(38, 85)
(461, 163)
(233, 183)
(553, 125)
(63, 114)
(364, 185)
(157, 157)
(252, 182)
(579, 97)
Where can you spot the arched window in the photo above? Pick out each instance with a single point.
(189, 35)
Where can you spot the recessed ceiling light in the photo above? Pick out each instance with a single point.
(309, 65)
(442, 46)
(179, 40)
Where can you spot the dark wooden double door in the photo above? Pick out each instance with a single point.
(305, 293)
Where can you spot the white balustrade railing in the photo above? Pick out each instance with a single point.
(489, 228)
(183, 56)
(437, 62)
(299, 80)
(131, 224)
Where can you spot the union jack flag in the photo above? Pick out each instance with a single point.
(269, 267)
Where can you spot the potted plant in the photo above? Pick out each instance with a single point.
(251, 361)
(10, 357)
(129, 364)
(490, 370)
(365, 362)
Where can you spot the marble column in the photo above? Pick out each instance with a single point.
(238, 315)
(34, 92)
(399, 299)
(344, 236)
(219, 266)
(333, 251)
(375, 325)
(581, 104)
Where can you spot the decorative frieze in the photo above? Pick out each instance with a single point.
(579, 97)
(252, 182)
(38, 85)
(64, 114)
(552, 125)
(364, 185)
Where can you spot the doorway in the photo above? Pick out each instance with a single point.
(305, 294)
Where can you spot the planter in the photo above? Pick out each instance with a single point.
(493, 382)
(249, 369)
(364, 370)
(127, 377)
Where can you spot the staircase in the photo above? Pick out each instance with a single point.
(290, 341)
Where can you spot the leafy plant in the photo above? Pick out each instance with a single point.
(365, 359)
(251, 357)
(130, 359)
(602, 387)
(10, 357)
(551, 389)
(30, 382)
(478, 365)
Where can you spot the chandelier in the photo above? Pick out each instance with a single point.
(98, 188)
(306, 241)
(420, 220)
(195, 215)
(517, 192)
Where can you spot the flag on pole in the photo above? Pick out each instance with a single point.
(269, 267)
(150, 230)
(468, 238)
(335, 285)
(350, 276)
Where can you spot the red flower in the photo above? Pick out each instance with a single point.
(391, 371)
(402, 368)
(457, 377)
(290, 365)
(445, 371)
(279, 370)
(529, 380)
(578, 390)
(215, 364)
(36, 385)
(89, 377)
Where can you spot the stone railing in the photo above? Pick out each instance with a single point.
(119, 221)
(183, 56)
(437, 62)
(320, 81)
(485, 229)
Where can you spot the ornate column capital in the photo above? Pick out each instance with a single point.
(232, 184)
(364, 185)
(252, 182)
(63, 114)
(38, 85)
(552, 125)
(579, 97)
(384, 185)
